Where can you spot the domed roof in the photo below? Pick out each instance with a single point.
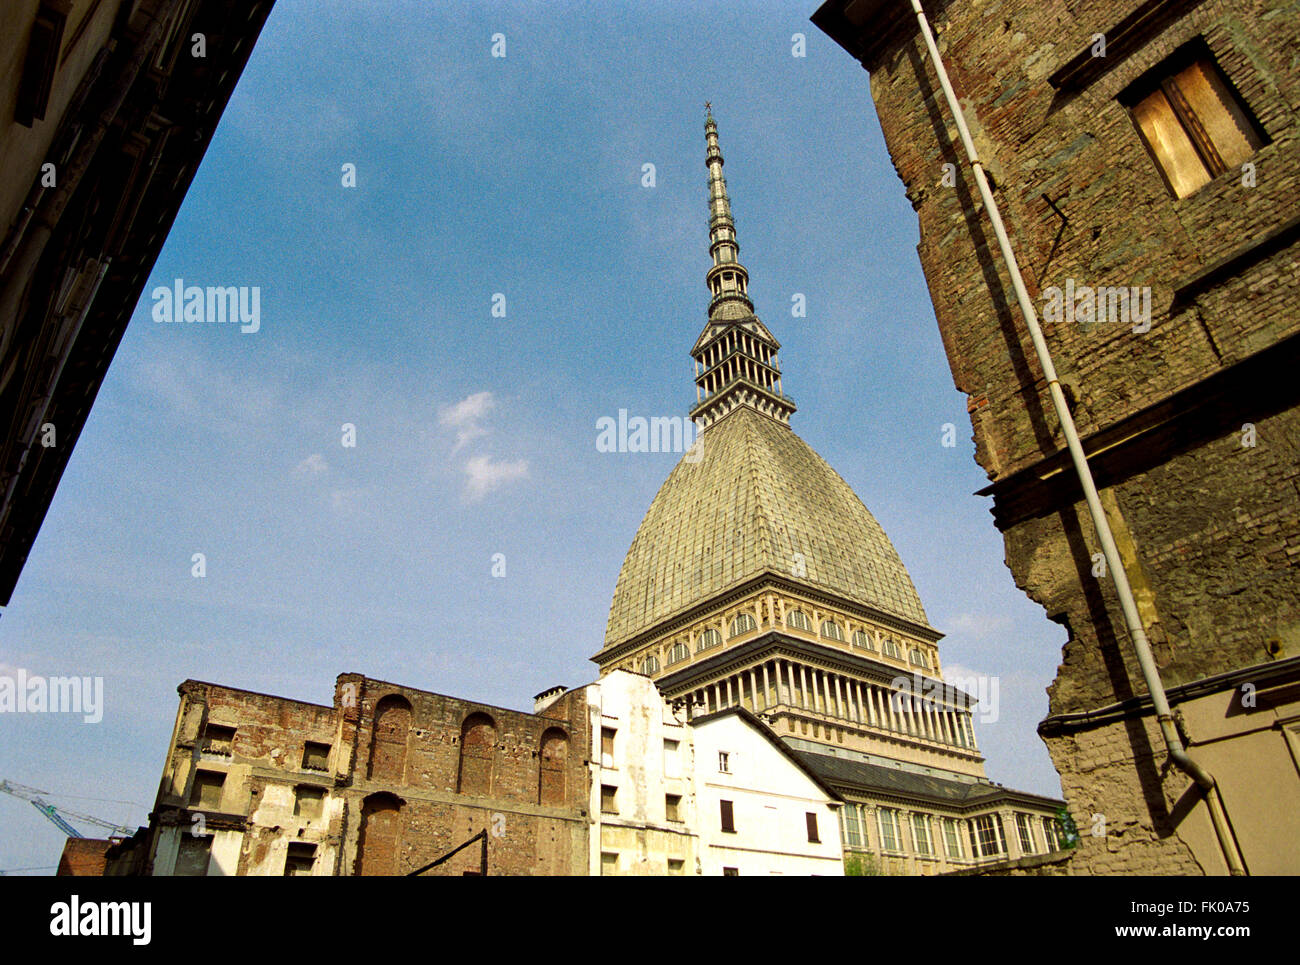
(758, 499)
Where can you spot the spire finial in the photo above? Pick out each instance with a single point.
(735, 355)
(727, 279)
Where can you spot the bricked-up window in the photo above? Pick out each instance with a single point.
(554, 756)
(1192, 120)
(381, 835)
(672, 761)
(728, 816)
(478, 746)
(388, 742)
(1026, 834)
(607, 746)
(608, 863)
(193, 857)
(810, 819)
(218, 740)
(315, 757)
(608, 799)
(673, 806)
(308, 802)
(300, 859)
(206, 792)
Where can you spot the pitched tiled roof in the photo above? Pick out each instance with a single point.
(893, 780)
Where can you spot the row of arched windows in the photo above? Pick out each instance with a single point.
(744, 623)
(477, 765)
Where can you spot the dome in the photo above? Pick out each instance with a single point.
(758, 499)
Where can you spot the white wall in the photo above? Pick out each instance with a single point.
(640, 833)
(770, 797)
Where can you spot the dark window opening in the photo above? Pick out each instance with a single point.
(300, 860)
(315, 757)
(218, 740)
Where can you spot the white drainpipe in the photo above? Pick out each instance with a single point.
(1115, 565)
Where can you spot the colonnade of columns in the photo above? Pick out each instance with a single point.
(781, 682)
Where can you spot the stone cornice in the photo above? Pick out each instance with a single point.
(763, 581)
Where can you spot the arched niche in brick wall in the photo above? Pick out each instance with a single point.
(553, 759)
(478, 747)
(388, 742)
(380, 840)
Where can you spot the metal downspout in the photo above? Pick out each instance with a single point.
(1119, 576)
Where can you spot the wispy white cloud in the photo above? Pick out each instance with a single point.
(189, 389)
(467, 416)
(484, 474)
(313, 465)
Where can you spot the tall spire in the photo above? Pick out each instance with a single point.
(735, 356)
(728, 279)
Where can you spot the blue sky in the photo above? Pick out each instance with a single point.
(476, 434)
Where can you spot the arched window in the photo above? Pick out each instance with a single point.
(798, 620)
(709, 638)
(862, 640)
(381, 835)
(742, 624)
(554, 756)
(831, 630)
(889, 646)
(478, 744)
(650, 664)
(388, 741)
(678, 653)
(919, 659)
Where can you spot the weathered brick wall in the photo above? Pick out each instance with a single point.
(417, 808)
(1209, 525)
(1124, 226)
(526, 836)
(83, 857)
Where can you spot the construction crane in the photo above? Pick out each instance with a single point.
(56, 815)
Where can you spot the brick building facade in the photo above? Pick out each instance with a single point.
(384, 781)
(1150, 146)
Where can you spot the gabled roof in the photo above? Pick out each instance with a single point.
(770, 736)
